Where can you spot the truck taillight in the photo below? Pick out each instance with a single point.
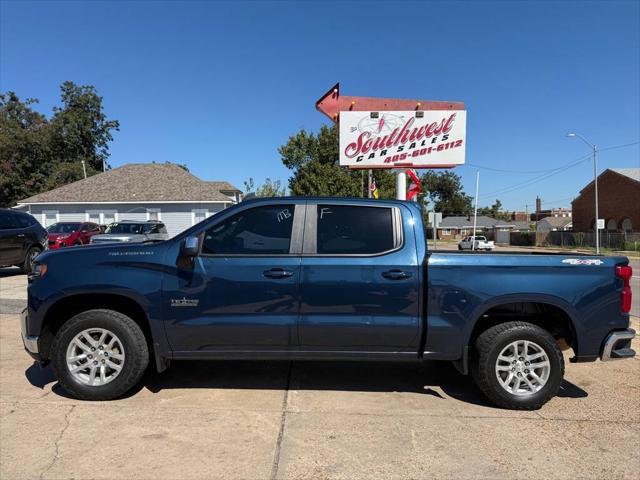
(624, 272)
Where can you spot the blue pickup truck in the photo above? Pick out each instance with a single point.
(323, 279)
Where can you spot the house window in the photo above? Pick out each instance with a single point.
(153, 214)
(446, 231)
(198, 215)
(93, 216)
(627, 226)
(103, 217)
(49, 217)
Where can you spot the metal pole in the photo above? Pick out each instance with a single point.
(435, 229)
(84, 168)
(369, 184)
(595, 180)
(401, 185)
(475, 211)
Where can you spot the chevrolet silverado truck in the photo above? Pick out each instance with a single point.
(323, 279)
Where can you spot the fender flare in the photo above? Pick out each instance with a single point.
(463, 364)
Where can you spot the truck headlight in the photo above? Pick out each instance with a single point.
(39, 270)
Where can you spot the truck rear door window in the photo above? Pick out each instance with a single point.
(261, 230)
(354, 230)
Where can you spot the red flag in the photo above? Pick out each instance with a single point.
(416, 186)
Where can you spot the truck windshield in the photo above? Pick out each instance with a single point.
(63, 228)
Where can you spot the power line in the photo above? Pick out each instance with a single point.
(539, 178)
(551, 172)
(530, 172)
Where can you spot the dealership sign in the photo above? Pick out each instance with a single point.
(398, 139)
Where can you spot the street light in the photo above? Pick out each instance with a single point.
(595, 181)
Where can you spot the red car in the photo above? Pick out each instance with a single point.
(65, 234)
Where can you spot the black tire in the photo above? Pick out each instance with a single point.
(133, 343)
(77, 243)
(27, 264)
(489, 345)
(459, 247)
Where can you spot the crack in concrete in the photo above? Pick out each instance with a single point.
(283, 418)
(56, 455)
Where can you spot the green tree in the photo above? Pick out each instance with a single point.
(39, 153)
(24, 147)
(314, 162)
(270, 188)
(444, 191)
(80, 129)
(495, 211)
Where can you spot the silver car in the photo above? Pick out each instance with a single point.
(132, 231)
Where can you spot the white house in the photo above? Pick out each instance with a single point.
(137, 191)
(554, 224)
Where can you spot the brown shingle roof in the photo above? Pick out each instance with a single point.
(223, 186)
(135, 182)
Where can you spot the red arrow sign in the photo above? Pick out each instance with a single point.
(332, 103)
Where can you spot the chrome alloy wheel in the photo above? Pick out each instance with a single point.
(523, 368)
(95, 357)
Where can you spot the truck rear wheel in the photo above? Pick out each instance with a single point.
(518, 365)
(99, 355)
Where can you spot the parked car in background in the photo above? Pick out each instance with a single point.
(133, 232)
(475, 243)
(22, 239)
(65, 234)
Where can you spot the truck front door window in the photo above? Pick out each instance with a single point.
(261, 230)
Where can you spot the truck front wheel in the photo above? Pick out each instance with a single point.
(99, 355)
(517, 365)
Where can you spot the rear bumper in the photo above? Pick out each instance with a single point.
(30, 341)
(618, 345)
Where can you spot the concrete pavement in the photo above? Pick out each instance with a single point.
(264, 420)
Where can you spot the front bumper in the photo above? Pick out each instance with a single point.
(618, 345)
(30, 341)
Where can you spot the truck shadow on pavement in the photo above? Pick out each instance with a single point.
(429, 378)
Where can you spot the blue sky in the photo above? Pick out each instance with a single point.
(219, 86)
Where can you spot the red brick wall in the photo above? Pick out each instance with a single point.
(619, 198)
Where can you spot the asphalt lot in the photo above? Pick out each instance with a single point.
(259, 420)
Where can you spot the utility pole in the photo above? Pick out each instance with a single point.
(369, 184)
(594, 150)
(475, 211)
(595, 180)
(84, 168)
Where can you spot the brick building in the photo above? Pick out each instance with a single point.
(619, 202)
(541, 213)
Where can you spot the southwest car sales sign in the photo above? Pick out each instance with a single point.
(399, 139)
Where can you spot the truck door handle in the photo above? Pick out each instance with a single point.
(20, 235)
(277, 273)
(396, 274)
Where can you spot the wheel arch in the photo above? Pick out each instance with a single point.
(548, 312)
(67, 307)
(551, 313)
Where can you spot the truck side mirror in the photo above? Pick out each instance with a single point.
(190, 247)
